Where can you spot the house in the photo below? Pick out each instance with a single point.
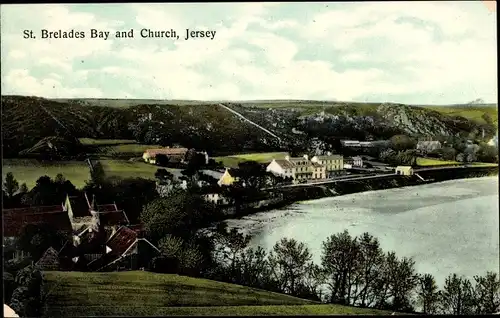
(84, 213)
(426, 146)
(493, 141)
(303, 168)
(95, 251)
(350, 143)
(173, 154)
(281, 167)
(49, 260)
(334, 164)
(298, 168)
(216, 198)
(228, 177)
(357, 161)
(404, 170)
(125, 249)
(14, 220)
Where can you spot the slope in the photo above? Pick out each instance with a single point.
(139, 293)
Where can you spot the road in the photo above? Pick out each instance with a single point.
(251, 122)
(330, 181)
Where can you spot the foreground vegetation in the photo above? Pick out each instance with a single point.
(434, 162)
(264, 157)
(354, 271)
(29, 170)
(140, 293)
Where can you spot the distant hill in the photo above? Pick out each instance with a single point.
(139, 293)
(28, 120)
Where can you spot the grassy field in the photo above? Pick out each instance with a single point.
(116, 147)
(426, 162)
(470, 112)
(473, 112)
(28, 171)
(140, 293)
(107, 142)
(233, 160)
(434, 162)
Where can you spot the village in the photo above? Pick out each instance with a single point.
(99, 235)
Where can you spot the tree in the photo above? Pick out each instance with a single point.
(457, 297)
(27, 299)
(23, 189)
(97, 175)
(402, 142)
(49, 192)
(428, 294)
(449, 153)
(402, 282)
(192, 172)
(179, 214)
(190, 260)
(407, 158)
(36, 239)
(164, 176)
(388, 156)
(339, 259)
(252, 174)
(310, 285)
(10, 185)
(487, 153)
(289, 259)
(162, 160)
(130, 194)
(254, 268)
(487, 118)
(487, 293)
(370, 265)
(231, 245)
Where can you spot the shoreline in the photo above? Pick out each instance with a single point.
(301, 195)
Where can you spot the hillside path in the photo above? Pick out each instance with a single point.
(251, 122)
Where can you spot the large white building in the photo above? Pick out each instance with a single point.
(334, 164)
(301, 168)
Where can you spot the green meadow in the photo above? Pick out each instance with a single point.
(266, 157)
(29, 170)
(139, 293)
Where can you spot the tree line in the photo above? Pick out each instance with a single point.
(354, 271)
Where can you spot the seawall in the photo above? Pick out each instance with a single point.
(294, 194)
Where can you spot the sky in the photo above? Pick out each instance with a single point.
(405, 52)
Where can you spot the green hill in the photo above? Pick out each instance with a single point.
(206, 125)
(140, 293)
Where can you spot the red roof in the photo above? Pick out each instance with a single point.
(121, 241)
(15, 219)
(107, 208)
(167, 151)
(113, 218)
(79, 206)
(136, 227)
(36, 209)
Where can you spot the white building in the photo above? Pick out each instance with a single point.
(216, 198)
(334, 164)
(297, 168)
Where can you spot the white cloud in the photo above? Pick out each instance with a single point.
(25, 84)
(17, 54)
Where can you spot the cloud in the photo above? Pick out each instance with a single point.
(50, 87)
(350, 51)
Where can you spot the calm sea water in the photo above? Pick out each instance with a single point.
(446, 227)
